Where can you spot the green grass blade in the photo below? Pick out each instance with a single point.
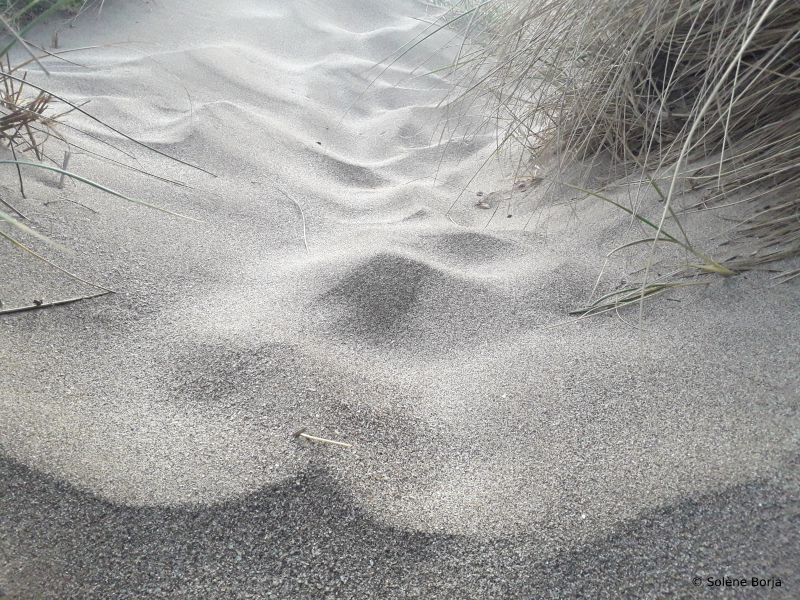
(629, 211)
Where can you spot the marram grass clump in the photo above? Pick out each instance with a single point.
(661, 87)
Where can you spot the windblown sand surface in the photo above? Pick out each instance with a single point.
(147, 435)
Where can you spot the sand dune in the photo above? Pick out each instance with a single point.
(493, 456)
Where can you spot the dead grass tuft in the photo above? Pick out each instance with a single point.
(660, 87)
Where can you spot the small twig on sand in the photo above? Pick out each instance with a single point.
(40, 304)
(301, 433)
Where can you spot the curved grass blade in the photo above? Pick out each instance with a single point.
(36, 234)
(637, 242)
(13, 32)
(107, 126)
(22, 11)
(98, 186)
(711, 264)
(631, 296)
(630, 212)
(42, 258)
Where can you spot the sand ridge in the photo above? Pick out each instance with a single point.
(417, 333)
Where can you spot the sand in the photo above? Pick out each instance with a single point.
(340, 277)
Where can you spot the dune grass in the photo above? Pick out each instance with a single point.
(31, 123)
(698, 94)
(21, 12)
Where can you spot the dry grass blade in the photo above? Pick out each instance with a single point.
(55, 266)
(632, 295)
(25, 229)
(98, 186)
(78, 108)
(10, 29)
(300, 208)
(26, 124)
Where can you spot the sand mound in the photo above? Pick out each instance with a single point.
(414, 325)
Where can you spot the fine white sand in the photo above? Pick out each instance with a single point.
(329, 285)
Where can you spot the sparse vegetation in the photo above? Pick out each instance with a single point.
(22, 12)
(693, 94)
(30, 116)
